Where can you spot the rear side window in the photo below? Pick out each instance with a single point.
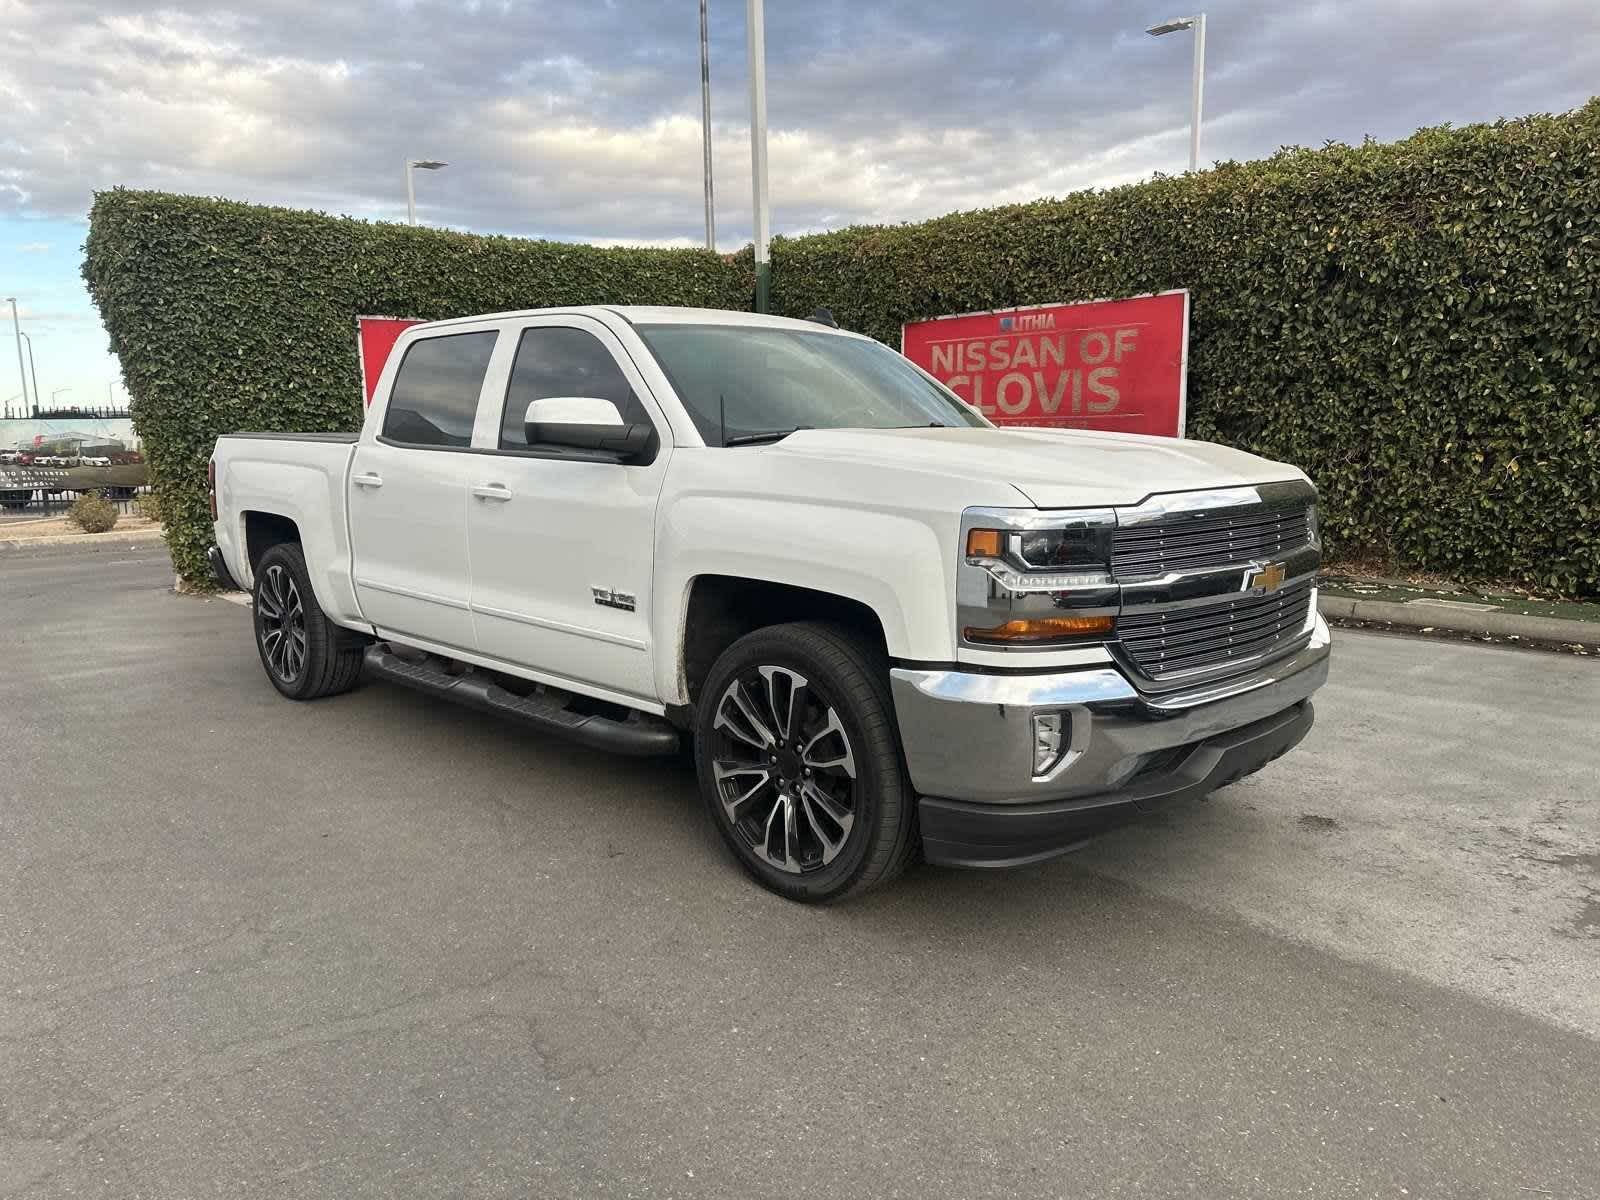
(557, 361)
(435, 396)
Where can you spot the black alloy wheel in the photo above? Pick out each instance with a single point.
(306, 656)
(784, 768)
(281, 618)
(799, 761)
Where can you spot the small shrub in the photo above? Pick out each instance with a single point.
(148, 506)
(93, 513)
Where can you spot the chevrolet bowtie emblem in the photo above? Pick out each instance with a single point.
(1264, 579)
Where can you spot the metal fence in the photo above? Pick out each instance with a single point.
(40, 505)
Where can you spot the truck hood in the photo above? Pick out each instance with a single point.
(1066, 468)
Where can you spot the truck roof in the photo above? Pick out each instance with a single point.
(648, 314)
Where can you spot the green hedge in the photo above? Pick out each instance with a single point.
(1417, 324)
(232, 316)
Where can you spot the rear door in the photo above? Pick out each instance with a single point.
(562, 540)
(409, 492)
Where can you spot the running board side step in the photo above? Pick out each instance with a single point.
(640, 736)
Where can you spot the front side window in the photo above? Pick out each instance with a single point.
(745, 382)
(555, 360)
(435, 396)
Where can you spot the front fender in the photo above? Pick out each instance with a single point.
(894, 563)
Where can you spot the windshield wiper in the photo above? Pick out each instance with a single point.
(765, 435)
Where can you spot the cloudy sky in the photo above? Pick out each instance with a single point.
(580, 119)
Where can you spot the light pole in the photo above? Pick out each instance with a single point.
(16, 327)
(1198, 24)
(423, 164)
(33, 371)
(757, 31)
(705, 124)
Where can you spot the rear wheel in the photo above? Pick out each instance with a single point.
(305, 655)
(799, 764)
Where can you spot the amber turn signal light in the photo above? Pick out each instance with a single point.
(1041, 629)
(983, 543)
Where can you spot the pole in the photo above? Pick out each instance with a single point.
(705, 125)
(756, 23)
(1199, 87)
(16, 327)
(32, 369)
(411, 197)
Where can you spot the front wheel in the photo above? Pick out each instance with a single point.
(799, 763)
(306, 655)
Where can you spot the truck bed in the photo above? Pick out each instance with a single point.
(300, 477)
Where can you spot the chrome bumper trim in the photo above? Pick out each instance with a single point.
(969, 736)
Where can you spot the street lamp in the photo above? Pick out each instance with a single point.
(422, 164)
(33, 371)
(756, 29)
(1198, 24)
(705, 125)
(56, 393)
(16, 327)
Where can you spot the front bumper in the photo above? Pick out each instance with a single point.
(968, 742)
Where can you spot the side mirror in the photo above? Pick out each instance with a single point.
(585, 422)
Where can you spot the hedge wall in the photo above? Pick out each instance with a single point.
(232, 316)
(1416, 324)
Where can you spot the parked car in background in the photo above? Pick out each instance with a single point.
(883, 625)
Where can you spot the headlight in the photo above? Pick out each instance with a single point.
(1034, 579)
(1053, 549)
(1313, 527)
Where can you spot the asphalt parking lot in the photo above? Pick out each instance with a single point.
(374, 946)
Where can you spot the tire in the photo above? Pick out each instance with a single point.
(306, 656)
(838, 757)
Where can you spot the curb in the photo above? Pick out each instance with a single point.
(78, 543)
(1491, 624)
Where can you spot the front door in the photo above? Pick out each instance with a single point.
(409, 493)
(562, 540)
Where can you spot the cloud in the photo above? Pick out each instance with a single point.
(581, 121)
(34, 248)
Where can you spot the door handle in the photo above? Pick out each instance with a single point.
(367, 481)
(492, 491)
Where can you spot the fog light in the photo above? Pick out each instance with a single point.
(1050, 737)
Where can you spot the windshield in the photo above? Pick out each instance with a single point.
(739, 382)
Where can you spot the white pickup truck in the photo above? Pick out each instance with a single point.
(884, 626)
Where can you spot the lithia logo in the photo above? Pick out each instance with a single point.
(1027, 321)
(607, 598)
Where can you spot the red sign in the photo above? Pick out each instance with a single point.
(375, 337)
(1119, 365)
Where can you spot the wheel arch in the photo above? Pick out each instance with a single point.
(264, 530)
(720, 609)
(260, 529)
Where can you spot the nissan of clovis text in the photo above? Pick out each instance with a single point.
(883, 627)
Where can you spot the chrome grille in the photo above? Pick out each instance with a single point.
(1146, 551)
(1174, 641)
